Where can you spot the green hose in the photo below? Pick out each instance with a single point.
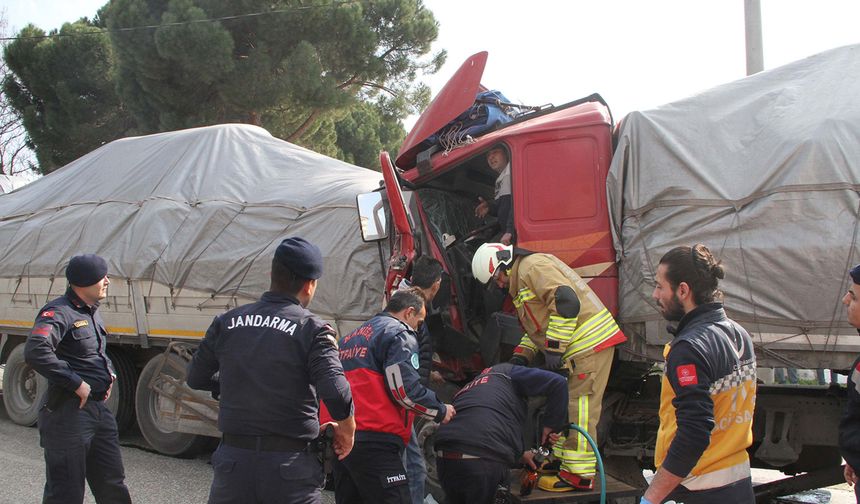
(599, 461)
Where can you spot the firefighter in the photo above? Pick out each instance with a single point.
(476, 450)
(270, 362)
(567, 324)
(380, 359)
(77, 430)
(849, 427)
(708, 392)
(426, 276)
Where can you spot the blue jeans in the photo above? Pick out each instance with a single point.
(416, 471)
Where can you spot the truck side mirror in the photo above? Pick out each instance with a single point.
(371, 216)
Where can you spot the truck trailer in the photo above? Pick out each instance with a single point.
(188, 222)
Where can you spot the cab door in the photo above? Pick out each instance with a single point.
(403, 237)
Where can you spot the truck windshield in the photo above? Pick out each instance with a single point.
(448, 213)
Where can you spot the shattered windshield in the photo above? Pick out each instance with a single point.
(448, 213)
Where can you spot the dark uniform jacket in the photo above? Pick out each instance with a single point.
(380, 359)
(491, 411)
(707, 400)
(67, 346)
(425, 342)
(849, 428)
(274, 360)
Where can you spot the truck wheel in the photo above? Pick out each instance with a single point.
(425, 432)
(121, 400)
(23, 389)
(149, 405)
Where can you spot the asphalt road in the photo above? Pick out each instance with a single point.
(151, 478)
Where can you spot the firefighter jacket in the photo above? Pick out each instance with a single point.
(67, 345)
(380, 360)
(558, 310)
(707, 400)
(849, 427)
(274, 360)
(492, 408)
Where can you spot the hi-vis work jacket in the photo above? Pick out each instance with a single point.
(541, 288)
(707, 401)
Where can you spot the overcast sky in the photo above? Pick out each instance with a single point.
(637, 54)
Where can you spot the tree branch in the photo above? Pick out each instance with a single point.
(293, 137)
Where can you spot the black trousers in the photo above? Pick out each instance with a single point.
(245, 476)
(81, 444)
(373, 473)
(738, 492)
(471, 481)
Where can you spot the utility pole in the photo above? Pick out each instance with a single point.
(752, 18)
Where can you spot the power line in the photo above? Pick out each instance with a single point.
(183, 23)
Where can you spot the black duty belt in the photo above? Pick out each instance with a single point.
(57, 395)
(264, 443)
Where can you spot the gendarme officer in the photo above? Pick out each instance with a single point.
(275, 360)
(78, 432)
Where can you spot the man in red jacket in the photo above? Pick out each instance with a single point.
(380, 360)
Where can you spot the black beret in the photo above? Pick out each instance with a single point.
(855, 274)
(85, 270)
(301, 257)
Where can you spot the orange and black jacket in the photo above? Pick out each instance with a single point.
(707, 400)
(381, 362)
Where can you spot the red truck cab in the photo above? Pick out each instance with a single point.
(559, 158)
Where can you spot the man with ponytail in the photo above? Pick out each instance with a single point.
(708, 391)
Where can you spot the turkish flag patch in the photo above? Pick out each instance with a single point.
(48, 313)
(858, 366)
(687, 375)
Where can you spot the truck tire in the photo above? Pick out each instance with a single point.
(148, 401)
(23, 389)
(121, 400)
(425, 432)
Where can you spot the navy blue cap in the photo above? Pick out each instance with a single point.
(301, 257)
(85, 270)
(855, 274)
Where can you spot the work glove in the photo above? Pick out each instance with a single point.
(553, 361)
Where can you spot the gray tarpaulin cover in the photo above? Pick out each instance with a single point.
(765, 172)
(201, 208)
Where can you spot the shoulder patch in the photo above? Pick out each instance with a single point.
(687, 375)
(81, 323)
(41, 330)
(414, 360)
(48, 313)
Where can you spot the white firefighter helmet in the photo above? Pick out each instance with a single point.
(488, 258)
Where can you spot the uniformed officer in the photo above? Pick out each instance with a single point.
(476, 450)
(381, 363)
(566, 324)
(274, 360)
(849, 427)
(77, 431)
